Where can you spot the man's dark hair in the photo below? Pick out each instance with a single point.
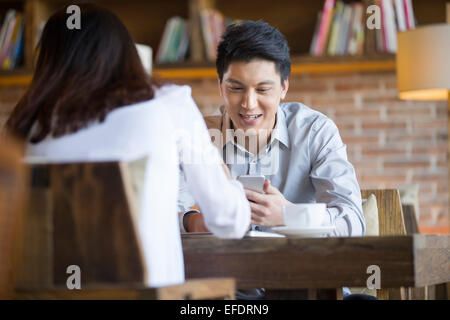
(248, 40)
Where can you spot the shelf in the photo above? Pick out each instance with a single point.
(300, 65)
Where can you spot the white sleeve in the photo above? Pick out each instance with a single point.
(222, 201)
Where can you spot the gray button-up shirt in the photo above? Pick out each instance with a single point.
(305, 159)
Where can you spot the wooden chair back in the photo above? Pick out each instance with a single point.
(409, 215)
(390, 222)
(90, 222)
(12, 199)
(390, 214)
(84, 214)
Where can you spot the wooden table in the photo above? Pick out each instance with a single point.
(314, 263)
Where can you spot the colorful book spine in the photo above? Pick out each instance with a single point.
(9, 61)
(208, 36)
(335, 29)
(389, 26)
(400, 14)
(315, 35)
(409, 13)
(354, 37)
(324, 27)
(343, 37)
(360, 37)
(6, 34)
(370, 36)
(164, 43)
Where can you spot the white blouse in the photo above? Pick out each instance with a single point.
(169, 131)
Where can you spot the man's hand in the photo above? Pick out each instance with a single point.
(267, 209)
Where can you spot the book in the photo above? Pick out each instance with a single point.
(361, 27)
(343, 36)
(4, 25)
(370, 36)
(161, 55)
(335, 28)
(409, 14)
(208, 36)
(389, 25)
(400, 14)
(324, 27)
(316, 31)
(6, 34)
(175, 40)
(354, 46)
(184, 43)
(381, 33)
(219, 29)
(12, 52)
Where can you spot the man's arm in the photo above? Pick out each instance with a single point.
(193, 220)
(334, 179)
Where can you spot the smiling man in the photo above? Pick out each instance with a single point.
(299, 150)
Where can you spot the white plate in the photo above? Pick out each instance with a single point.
(263, 234)
(305, 232)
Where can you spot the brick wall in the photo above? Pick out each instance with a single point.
(391, 143)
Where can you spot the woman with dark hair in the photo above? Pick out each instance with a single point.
(91, 100)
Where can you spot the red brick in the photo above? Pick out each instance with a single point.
(383, 125)
(407, 163)
(359, 113)
(429, 123)
(332, 102)
(409, 112)
(378, 151)
(345, 125)
(357, 86)
(430, 150)
(317, 86)
(353, 139)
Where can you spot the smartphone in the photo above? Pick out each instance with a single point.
(255, 183)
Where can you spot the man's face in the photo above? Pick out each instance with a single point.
(252, 92)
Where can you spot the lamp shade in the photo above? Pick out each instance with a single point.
(423, 63)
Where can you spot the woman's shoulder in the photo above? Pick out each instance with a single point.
(170, 90)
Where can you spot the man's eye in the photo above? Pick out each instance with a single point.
(263, 89)
(235, 88)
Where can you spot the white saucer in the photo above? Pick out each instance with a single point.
(316, 232)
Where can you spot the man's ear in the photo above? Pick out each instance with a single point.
(284, 88)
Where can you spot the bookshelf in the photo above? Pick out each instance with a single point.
(146, 21)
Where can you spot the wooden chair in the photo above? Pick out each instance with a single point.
(91, 221)
(429, 292)
(390, 222)
(411, 225)
(12, 196)
(390, 214)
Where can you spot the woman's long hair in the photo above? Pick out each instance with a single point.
(80, 75)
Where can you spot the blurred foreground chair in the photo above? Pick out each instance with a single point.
(390, 222)
(440, 291)
(84, 214)
(12, 196)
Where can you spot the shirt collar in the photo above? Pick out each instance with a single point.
(280, 132)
